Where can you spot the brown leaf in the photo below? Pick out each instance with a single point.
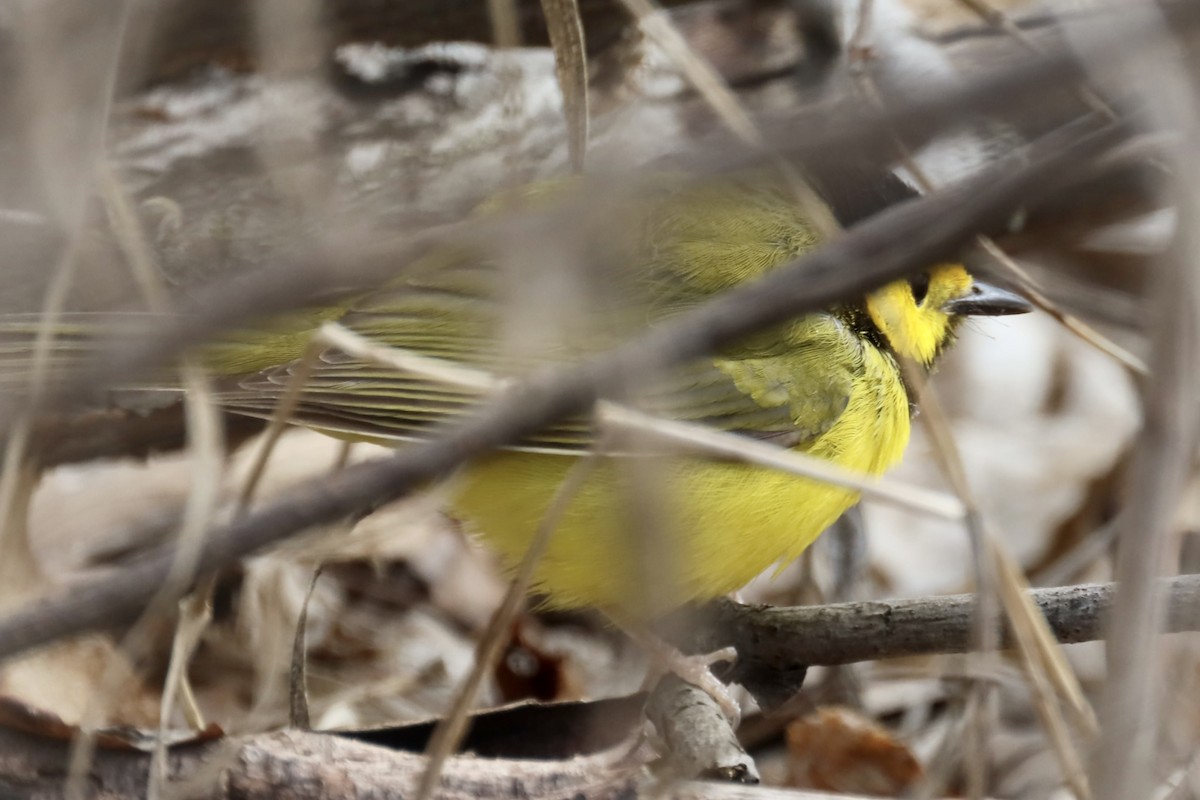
(836, 749)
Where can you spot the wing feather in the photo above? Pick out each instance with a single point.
(791, 382)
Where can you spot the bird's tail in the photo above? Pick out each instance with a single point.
(49, 347)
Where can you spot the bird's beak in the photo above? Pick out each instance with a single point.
(985, 300)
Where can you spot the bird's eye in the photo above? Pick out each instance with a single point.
(920, 286)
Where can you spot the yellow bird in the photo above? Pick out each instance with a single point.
(826, 384)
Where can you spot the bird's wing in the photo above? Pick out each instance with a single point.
(790, 384)
(77, 338)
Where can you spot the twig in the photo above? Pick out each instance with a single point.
(565, 27)
(278, 423)
(205, 439)
(298, 716)
(330, 767)
(449, 732)
(720, 444)
(845, 633)
(682, 434)
(978, 720)
(700, 741)
(1164, 457)
(725, 104)
(506, 23)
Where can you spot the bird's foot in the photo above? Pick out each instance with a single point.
(697, 670)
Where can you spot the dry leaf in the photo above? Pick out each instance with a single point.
(836, 749)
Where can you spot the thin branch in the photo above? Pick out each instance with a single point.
(845, 633)
(1164, 457)
(277, 425)
(565, 27)
(330, 767)
(448, 735)
(506, 23)
(298, 716)
(700, 740)
(779, 637)
(979, 709)
(721, 444)
(683, 435)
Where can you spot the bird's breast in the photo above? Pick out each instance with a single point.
(647, 534)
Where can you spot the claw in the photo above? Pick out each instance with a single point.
(697, 670)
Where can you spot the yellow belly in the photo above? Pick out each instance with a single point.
(715, 524)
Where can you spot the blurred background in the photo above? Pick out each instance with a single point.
(247, 134)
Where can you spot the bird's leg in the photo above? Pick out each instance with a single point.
(696, 669)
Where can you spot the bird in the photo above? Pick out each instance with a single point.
(828, 384)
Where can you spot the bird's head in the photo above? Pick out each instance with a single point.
(918, 316)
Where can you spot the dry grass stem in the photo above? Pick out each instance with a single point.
(1029, 286)
(1039, 651)
(335, 335)
(995, 17)
(298, 712)
(195, 613)
(977, 723)
(506, 23)
(1037, 669)
(1084, 332)
(858, 44)
(996, 570)
(1125, 759)
(280, 418)
(659, 29)
(19, 571)
(692, 437)
(206, 441)
(447, 736)
(719, 444)
(298, 716)
(717, 94)
(1037, 642)
(14, 499)
(570, 62)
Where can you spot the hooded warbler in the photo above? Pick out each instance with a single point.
(827, 384)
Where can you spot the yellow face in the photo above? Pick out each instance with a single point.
(912, 314)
